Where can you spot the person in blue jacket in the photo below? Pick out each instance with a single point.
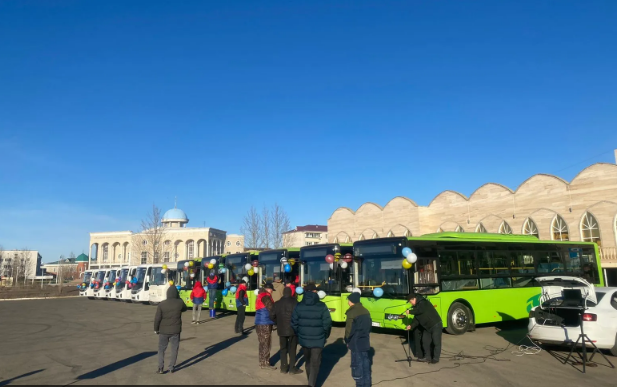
(263, 325)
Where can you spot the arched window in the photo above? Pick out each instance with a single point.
(361, 237)
(375, 236)
(459, 229)
(590, 230)
(390, 234)
(530, 228)
(505, 228)
(105, 252)
(190, 249)
(559, 229)
(335, 240)
(347, 239)
(480, 228)
(407, 234)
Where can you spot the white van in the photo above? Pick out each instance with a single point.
(99, 282)
(110, 292)
(85, 283)
(140, 291)
(124, 293)
(159, 282)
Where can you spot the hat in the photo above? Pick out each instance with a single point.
(310, 288)
(269, 286)
(412, 295)
(354, 297)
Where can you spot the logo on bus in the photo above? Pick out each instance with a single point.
(533, 302)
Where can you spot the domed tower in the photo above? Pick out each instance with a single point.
(175, 218)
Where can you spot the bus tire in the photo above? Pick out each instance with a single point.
(459, 319)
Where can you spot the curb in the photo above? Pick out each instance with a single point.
(36, 298)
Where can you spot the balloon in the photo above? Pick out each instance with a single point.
(225, 291)
(357, 290)
(343, 265)
(256, 292)
(287, 268)
(213, 261)
(332, 266)
(406, 264)
(378, 292)
(329, 258)
(348, 258)
(321, 294)
(250, 272)
(163, 271)
(191, 263)
(210, 266)
(130, 286)
(186, 264)
(406, 251)
(255, 263)
(221, 266)
(164, 267)
(299, 290)
(256, 269)
(248, 266)
(245, 279)
(227, 284)
(412, 258)
(223, 270)
(192, 275)
(292, 261)
(283, 260)
(233, 289)
(171, 283)
(178, 287)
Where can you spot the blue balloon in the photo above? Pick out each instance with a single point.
(223, 271)
(225, 291)
(227, 284)
(299, 290)
(287, 268)
(178, 287)
(233, 289)
(406, 251)
(378, 292)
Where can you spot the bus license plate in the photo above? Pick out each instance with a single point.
(376, 324)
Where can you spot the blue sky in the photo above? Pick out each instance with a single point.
(109, 106)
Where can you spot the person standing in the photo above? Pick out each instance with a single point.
(357, 338)
(242, 301)
(278, 287)
(198, 295)
(312, 323)
(426, 317)
(213, 284)
(263, 325)
(281, 316)
(168, 325)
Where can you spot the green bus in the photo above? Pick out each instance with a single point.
(335, 281)
(205, 272)
(188, 272)
(235, 271)
(471, 278)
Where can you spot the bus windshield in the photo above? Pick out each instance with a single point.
(387, 273)
(140, 274)
(270, 265)
(320, 274)
(87, 277)
(235, 268)
(100, 276)
(156, 277)
(123, 274)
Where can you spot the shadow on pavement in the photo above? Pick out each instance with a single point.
(115, 366)
(209, 352)
(9, 381)
(331, 355)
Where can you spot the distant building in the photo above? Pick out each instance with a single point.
(306, 236)
(71, 267)
(19, 265)
(118, 248)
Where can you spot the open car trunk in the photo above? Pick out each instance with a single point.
(562, 299)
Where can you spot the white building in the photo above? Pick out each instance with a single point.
(306, 236)
(18, 265)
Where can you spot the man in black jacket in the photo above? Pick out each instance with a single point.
(427, 317)
(281, 315)
(312, 323)
(357, 337)
(168, 325)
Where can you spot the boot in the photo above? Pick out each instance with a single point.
(214, 312)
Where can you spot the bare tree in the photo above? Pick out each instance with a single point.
(251, 228)
(266, 228)
(149, 242)
(22, 266)
(66, 270)
(280, 224)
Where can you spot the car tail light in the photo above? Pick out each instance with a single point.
(590, 317)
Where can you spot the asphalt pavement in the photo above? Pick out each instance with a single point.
(77, 341)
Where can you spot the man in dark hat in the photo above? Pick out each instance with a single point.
(312, 323)
(357, 338)
(427, 317)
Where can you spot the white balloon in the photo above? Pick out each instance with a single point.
(412, 258)
(256, 292)
(343, 265)
(245, 279)
(163, 271)
(321, 294)
(192, 275)
(248, 266)
(331, 266)
(349, 289)
(213, 261)
(186, 264)
(256, 270)
(356, 290)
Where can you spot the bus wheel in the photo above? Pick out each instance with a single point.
(459, 319)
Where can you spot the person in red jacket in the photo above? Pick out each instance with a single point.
(197, 296)
(213, 283)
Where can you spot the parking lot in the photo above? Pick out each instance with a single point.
(78, 341)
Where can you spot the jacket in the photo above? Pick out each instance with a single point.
(358, 328)
(311, 321)
(281, 313)
(241, 296)
(263, 306)
(424, 314)
(198, 294)
(168, 318)
(277, 294)
(213, 283)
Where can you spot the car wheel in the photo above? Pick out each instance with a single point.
(614, 349)
(459, 319)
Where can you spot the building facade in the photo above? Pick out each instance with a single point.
(547, 206)
(67, 268)
(18, 265)
(179, 242)
(306, 236)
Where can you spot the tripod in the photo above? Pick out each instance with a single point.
(584, 339)
(407, 353)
